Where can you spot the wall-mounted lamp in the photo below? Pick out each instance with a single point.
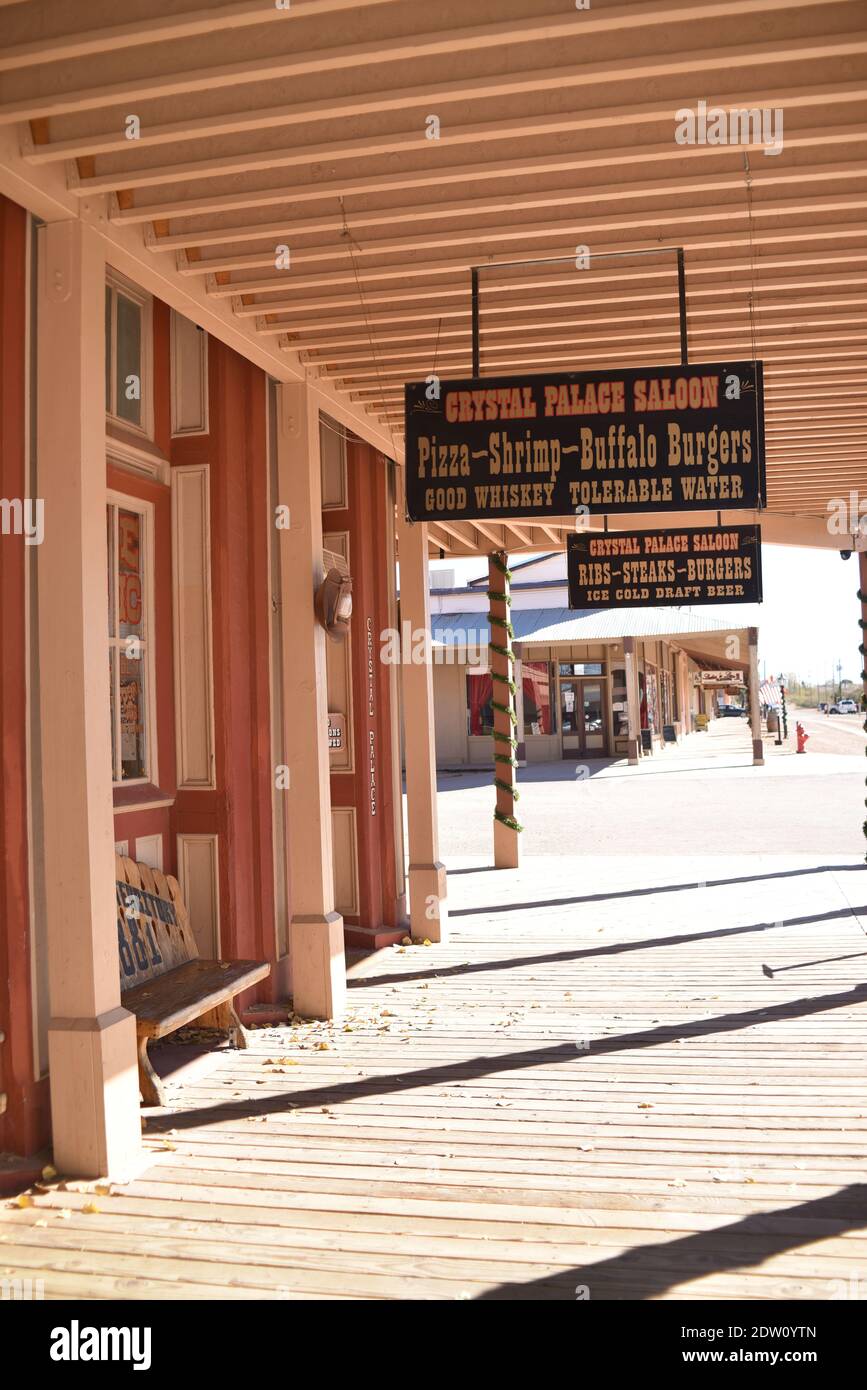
(333, 604)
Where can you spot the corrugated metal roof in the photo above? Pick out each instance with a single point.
(573, 625)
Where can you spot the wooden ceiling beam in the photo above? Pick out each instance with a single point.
(477, 89)
(439, 175)
(64, 47)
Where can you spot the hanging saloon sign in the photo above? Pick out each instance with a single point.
(652, 569)
(677, 439)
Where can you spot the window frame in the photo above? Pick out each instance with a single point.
(122, 501)
(118, 284)
(553, 697)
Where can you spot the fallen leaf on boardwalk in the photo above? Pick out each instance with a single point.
(41, 1188)
(102, 1189)
(644, 1105)
(167, 1144)
(49, 1173)
(323, 1047)
(90, 1208)
(65, 1214)
(41, 1222)
(24, 1200)
(427, 942)
(406, 941)
(678, 1182)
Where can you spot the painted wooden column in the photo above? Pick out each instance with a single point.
(428, 913)
(755, 707)
(502, 665)
(92, 1039)
(316, 930)
(862, 646)
(683, 692)
(633, 709)
(862, 596)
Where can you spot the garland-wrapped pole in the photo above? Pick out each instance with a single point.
(862, 622)
(502, 664)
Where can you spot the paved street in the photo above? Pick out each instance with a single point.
(703, 796)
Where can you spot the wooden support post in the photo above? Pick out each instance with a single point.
(683, 691)
(862, 591)
(633, 711)
(506, 828)
(862, 645)
(428, 913)
(91, 1038)
(755, 707)
(316, 931)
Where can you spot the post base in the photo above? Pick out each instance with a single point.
(318, 966)
(428, 913)
(506, 851)
(95, 1120)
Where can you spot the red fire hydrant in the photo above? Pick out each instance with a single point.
(802, 737)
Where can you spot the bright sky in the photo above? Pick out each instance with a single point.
(807, 622)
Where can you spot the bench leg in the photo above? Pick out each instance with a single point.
(151, 1087)
(227, 1018)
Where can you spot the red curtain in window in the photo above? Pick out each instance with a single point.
(479, 692)
(537, 697)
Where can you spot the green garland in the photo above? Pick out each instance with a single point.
(507, 787)
(862, 598)
(500, 596)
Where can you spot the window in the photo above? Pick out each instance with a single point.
(582, 668)
(480, 711)
(619, 706)
(538, 710)
(127, 355)
(128, 526)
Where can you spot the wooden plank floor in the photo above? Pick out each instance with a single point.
(594, 1086)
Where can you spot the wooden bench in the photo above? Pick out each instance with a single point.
(163, 981)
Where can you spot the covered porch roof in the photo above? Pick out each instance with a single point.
(312, 185)
(703, 638)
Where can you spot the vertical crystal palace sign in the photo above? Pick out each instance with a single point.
(676, 439)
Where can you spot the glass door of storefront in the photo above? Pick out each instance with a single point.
(582, 714)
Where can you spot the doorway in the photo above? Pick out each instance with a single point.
(582, 718)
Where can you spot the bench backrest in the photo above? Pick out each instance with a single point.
(153, 926)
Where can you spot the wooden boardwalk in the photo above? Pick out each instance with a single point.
(594, 1087)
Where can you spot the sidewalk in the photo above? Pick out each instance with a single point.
(595, 1086)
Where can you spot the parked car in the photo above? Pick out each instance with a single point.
(731, 711)
(846, 706)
